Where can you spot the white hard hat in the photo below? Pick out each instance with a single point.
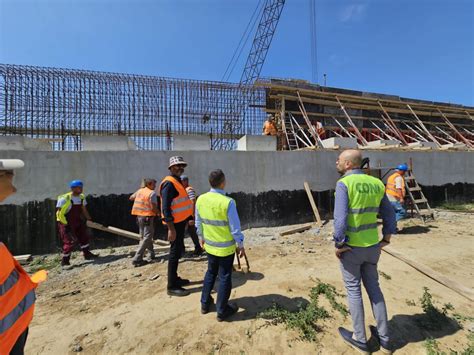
(11, 164)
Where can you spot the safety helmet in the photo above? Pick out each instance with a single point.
(402, 167)
(76, 183)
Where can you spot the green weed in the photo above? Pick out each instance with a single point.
(44, 263)
(305, 318)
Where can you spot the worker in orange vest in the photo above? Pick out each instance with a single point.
(269, 127)
(145, 208)
(177, 211)
(17, 289)
(395, 190)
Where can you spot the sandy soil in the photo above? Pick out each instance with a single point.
(118, 309)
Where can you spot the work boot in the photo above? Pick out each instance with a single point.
(65, 261)
(182, 282)
(88, 255)
(384, 345)
(178, 291)
(138, 263)
(356, 345)
(230, 310)
(205, 307)
(198, 252)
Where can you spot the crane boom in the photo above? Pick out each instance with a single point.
(261, 43)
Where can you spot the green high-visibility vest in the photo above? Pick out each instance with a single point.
(212, 208)
(365, 194)
(61, 213)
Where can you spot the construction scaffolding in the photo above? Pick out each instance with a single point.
(62, 105)
(300, 107)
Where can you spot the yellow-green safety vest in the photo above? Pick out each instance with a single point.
(212, 208)
(365, 194)
(61, 213)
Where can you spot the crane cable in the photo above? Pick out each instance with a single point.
(240, 47)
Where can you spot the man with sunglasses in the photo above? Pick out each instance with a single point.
(176, 210)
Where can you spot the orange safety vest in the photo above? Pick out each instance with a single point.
(269, 129)
(142, 205)
(181, 206)
(17, 300)
(391, 189)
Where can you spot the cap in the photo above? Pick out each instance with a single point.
(11, 164)
(177, 161)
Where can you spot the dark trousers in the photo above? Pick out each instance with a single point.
(176, 250)
(193, 234)
(222, 266)
(18, 348)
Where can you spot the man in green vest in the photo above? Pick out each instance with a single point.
(359, 198)
(218, 228)
(71, 216)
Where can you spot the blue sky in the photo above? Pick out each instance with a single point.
(413, 48)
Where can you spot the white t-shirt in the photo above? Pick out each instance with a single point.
(76, 200)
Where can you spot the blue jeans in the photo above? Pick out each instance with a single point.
(400, 211)
(222, 266)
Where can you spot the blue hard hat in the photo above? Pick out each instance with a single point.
(76, 183)
(402, 167)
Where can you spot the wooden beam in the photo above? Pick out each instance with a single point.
(443, 280)
(123, 233)
(361, 106)
(308, 123)
(453, 127)
(23, 259)
(363, 141)
(315, 92)
(297, 229)
(424, 128)
(317, 217)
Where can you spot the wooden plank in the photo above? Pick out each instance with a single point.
(432, 274)
(313, 204)
(23, 259)
(297, 229)
(123, 233)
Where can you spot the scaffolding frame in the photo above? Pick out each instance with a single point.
(62, 105)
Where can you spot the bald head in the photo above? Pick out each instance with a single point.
(348, 160)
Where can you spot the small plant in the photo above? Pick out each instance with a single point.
(384, 275)
(433, 319)
(44, 263)
(410, 302)
(432, 348)
(305, 318)
(458, 206)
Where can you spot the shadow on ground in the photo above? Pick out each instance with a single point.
(415, 229)
(250, 307)
(408, 328)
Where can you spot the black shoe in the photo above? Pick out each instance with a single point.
(384, 346)
(65, 261)
(182, 282)
(178, 291)
(138, 263)
(230, 310)
(357, 345)
(198, 252)
(205, 307)
(90, 256)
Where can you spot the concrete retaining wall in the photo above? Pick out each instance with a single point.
(268, 186)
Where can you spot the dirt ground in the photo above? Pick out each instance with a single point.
(109, 307)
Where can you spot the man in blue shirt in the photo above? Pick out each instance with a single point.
(218, 227)
(359, 198)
